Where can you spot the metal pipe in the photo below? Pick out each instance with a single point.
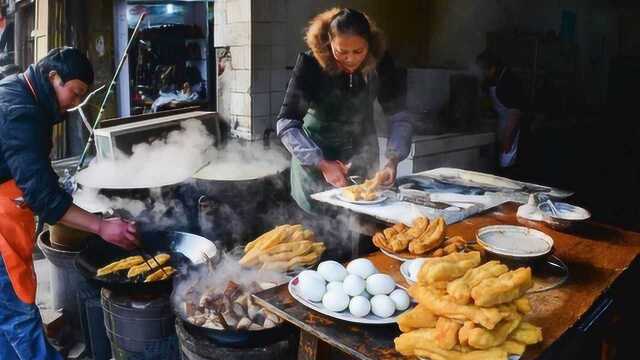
(109, 90)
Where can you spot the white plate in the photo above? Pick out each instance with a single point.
(344, 315)
(404, 270)
(380, 199)
(514, 241)
(396, 256)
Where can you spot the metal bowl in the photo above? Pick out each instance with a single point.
(567, 216)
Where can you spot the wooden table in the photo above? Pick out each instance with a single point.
(596, 256)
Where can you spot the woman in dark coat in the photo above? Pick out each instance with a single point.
(326, 120)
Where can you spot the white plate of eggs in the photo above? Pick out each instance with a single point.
(356, 293)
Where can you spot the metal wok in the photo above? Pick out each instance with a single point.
(186, 250)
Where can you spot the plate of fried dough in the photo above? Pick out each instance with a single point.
(367, 193)
(424, 239)
(468, 310)
(283, 249)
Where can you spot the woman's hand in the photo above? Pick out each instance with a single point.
(389, 172)
(334, 172)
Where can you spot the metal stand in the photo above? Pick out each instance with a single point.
(106, 96)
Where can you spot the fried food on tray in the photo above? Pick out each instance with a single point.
(527, 334)
(448, 267)
(450, 323)
(442, 305)
(424, 238)
(119, 265)
(283, 248)
(481, 338)
(417, 318)
(435, 353)
(522, 305)
(423, 343)
(161, 274)
(446, 335)
(366, 191)
(155, 263)
(460, 289)
(430, 239)
(505, 288)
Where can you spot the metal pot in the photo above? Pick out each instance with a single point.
(234, 210)
(185, 249)
(179, 211)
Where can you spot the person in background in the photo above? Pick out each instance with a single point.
(326, 119)
(31, 103)
(6, 38)
(508, 100)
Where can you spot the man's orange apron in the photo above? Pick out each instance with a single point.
(17, 229)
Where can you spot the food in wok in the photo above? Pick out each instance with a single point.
(139, 269)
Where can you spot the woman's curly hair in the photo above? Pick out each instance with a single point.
(318, 39)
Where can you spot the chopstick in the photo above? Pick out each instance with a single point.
(144, 253)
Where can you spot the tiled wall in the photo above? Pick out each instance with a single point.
(252, 88)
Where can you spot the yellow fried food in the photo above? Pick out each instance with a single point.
(123, 264)
(417, 318)
(422, 343)
(443, 305)
(352, 193)
(460, 289)
(505, 288)
(481, 338)
(527, 334)
(522, 305)
(446, 335)
(161, 274)
(389, 233)
(513, 347)
(149, 265)
(429, 239)
(263, 237)
(380, 241)
(295, 249)
(448, 267)
(435, 353)
(308, 259)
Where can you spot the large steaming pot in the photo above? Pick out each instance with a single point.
(234, 210)
(180, 210)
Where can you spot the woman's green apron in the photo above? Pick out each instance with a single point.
(343, 127)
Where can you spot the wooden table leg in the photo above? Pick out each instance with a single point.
(308, 346)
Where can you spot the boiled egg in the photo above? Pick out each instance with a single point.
(311, 285)
(382, 306)
(380, 284)
(335, 285)
(332, 270)
(361, 267)
(401, 299)
(359, 306)
(335, 300)
(353, 285)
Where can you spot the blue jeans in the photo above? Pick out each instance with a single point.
(21, 333)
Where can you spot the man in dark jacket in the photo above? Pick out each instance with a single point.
(30, 104)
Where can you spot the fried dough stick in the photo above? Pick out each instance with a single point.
(123, 264)
(505, 288)
(460, 289)
(417, 318)
(443, 305)
(448, 267)
(155, 263)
